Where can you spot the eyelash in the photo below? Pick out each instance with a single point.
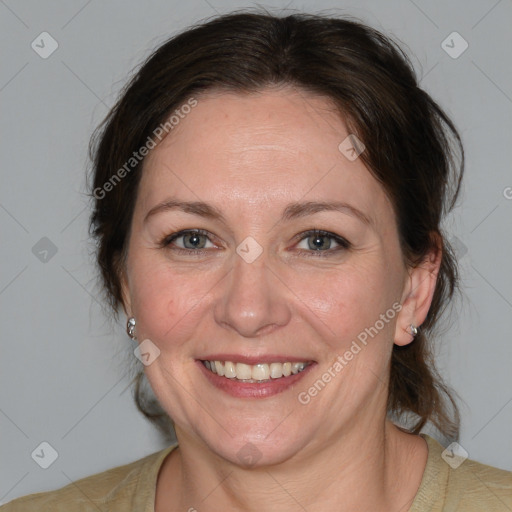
(343, 244)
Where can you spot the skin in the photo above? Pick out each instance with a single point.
(250, 156)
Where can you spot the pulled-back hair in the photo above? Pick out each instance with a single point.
(412, 149)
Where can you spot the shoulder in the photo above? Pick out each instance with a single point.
(453, 483)
(479, 486)
(127, 487)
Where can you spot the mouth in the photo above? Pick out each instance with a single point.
(261, 379)
(260, 372)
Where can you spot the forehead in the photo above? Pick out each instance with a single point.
(263, 149)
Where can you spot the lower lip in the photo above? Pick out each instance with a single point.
(240, 389)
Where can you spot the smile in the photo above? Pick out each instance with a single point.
(260, 372)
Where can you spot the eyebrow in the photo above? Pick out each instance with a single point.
(296, 210)
(291, 211)
(194, 207)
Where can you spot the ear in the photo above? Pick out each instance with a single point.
(418, 293)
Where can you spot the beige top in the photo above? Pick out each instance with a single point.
(472, 487)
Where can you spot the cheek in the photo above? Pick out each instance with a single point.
(165, 304)
(348, 301)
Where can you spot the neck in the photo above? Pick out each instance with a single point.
(360, 472)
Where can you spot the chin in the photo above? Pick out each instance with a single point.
(255, 448)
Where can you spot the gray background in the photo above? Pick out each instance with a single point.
(63, 364)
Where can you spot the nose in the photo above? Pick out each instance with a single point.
(253, 300)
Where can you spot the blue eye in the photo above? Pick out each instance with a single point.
(314, 242)
(194, 240)
(321, 242)
(189, 240)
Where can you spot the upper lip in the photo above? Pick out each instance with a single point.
(251, 360)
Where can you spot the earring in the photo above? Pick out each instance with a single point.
(130, 327)
(414, 330)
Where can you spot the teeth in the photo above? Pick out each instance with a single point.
(276, 370)
(261, 372)
(297, 367)
(243, 371)
(219, 367)
(254, 373)
(229, 370)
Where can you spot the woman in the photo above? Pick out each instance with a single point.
(268, 195)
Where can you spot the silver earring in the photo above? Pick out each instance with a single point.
(414, 330)
(130, 327)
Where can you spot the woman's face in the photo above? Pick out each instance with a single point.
(256, 175)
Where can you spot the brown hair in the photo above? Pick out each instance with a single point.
(412, 149)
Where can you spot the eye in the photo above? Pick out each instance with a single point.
(321, 242)
(189, 240)
(313, 242)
